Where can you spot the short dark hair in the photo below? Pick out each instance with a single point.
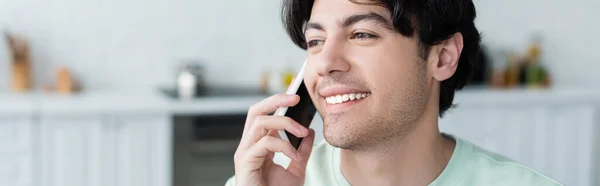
(433, 21)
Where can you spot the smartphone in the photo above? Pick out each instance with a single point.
(303, 112)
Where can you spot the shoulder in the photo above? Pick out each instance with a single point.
(489, 168)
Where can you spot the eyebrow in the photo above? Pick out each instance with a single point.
(353, 19)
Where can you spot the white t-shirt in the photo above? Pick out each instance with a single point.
(469, 166)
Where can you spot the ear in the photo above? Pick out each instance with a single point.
(448, 55)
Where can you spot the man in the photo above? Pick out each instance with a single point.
(395, 65)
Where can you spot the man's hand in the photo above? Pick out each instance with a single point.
(260, 140)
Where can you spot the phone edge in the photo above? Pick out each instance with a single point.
(293, 89)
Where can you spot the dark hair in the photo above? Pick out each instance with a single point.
(433, 21)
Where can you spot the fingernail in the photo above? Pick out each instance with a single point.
(301, 130)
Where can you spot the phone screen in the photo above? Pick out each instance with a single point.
(303, 113)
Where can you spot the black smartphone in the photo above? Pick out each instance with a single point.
(303, 112)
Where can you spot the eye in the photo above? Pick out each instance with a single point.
(362, 35)
(315, 42)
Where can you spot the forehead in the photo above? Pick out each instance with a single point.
(328, 11)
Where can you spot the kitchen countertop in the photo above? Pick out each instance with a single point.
(144, 101)
(12, 104)
(522, 96)
(121, 101)
(220, 105)
(103, 101)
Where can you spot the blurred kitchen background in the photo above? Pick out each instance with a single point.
(134, 93)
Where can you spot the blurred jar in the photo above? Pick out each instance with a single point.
(190, 79)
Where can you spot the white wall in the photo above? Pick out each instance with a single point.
(570, 28)
(120, 42)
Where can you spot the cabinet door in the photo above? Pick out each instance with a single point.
(570, 148)
(71, 151)
(143, 150)
(16, 147)
(556, 140)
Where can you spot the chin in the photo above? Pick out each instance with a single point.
(361, 132)
(343, 134)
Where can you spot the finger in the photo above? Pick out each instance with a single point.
(298, 167)
(272, 103)
(268, 105)
(264, 124)
(269, 144)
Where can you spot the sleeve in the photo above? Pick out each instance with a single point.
(230, 181)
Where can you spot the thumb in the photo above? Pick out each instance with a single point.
(298, 168)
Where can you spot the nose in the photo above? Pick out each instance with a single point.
(332, 59)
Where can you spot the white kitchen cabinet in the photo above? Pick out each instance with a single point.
(125, 150)
(142, 150)
(16, 150)
(72, 149)
(556, 139)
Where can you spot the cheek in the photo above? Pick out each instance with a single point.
(390, 69)
(383, 68)
(310, 80)
(394, 56)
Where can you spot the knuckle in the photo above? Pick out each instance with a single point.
(258, 123)
(258, 120)
(253, 108)
(257, 126)
(265, 141)
(269, 142)
(236, 156)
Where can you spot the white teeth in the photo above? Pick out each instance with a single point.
(337, 99)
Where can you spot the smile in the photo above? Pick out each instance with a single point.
(337, 99)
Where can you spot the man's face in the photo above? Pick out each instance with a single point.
(353, 51)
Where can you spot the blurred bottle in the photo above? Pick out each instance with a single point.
(511, 75)
(288, 74)
(536, 76)
(264, 82)
(21, 64)
(64, 81)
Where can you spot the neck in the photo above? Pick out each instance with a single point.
(418, 158)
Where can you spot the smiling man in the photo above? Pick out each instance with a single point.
(380, 73)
